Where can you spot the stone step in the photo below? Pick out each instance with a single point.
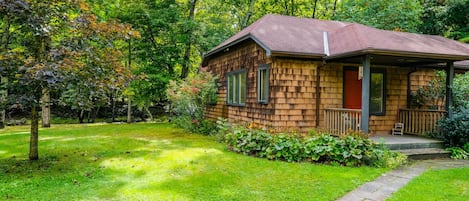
(425, 153)
(415, 145)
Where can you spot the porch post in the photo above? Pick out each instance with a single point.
(365, 94)
(449, 87)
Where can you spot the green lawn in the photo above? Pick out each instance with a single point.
(156, 162)
(437, 185)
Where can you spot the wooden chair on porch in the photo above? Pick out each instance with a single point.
(398, 129)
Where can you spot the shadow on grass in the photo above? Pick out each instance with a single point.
(158, 162)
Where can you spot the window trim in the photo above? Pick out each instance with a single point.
(384, 92)
(263, 67)
(232, 73)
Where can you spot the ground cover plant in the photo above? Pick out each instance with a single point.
(449, 184)
(156, 162)
(351, 149)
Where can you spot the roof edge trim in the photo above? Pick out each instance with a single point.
(237, 41)
(448, 57)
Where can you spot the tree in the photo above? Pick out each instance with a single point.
(457, 19)
(50, 53)
(399, 15)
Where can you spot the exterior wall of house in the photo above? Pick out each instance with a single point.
(249, 56)
(396, 98)
(420, 79)
(292, 90)
(331, 86)
(293, 94)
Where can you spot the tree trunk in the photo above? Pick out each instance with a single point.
(81, 116)
(33, 141)
(129, 111)
(335, 7)
(45, 108)
(129, 103)
(314, 9)
(292, 7)
(187, 53)
(249, 14)
(113, 107)
(149, 113)
(3, 80)
(3, 94)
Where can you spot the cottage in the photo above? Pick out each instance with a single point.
(295, 73)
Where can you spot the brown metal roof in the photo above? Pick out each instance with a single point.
(304, 36)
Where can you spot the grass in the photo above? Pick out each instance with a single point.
(451, 184)
(156, 162)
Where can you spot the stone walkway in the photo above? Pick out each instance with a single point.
(390, 182)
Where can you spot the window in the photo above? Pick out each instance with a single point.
(263, 84)
(236, 94)
(377, 92)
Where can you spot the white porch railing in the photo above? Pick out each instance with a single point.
(340, 120)
(420, 122)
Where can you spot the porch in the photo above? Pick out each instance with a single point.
(416, 122)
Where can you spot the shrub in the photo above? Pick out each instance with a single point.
(349, 150)
(466, 147)
(249, 141)
(455, 129)
(285, 147)
(458, 153)
(387, 158)
(188, 99)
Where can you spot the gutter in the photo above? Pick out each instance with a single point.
(443, 57)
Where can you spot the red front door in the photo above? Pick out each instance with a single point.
(352, 90)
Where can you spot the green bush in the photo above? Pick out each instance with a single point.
(188, 100)
(455, 129)
(249, 141)
(466, 147)
(285, 147)
(386, 158)
(458, 153)
(349, 150)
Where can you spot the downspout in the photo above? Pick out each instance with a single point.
(318, 93)
(409, 91)
(318, 78)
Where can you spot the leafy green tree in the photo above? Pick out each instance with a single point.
(50, 52)
(433, 17)
(399, 15)
(457, 19)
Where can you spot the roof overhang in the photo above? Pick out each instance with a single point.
(233, 43)
(268, 51)
(396, 58)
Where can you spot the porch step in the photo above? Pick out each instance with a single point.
(425, 153)
(414, 145)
